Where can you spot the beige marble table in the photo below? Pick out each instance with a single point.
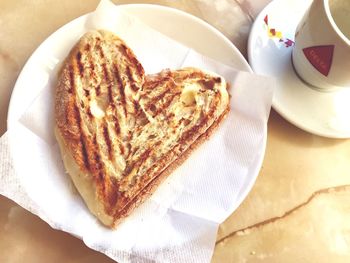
(298, 210)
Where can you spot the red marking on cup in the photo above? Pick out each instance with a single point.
(320, 57)
(266, 20)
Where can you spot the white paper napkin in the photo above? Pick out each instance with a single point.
(180, 221)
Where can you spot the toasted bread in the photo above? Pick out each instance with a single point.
(122, 132)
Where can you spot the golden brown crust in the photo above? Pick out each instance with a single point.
(148, 190)
(121, 132)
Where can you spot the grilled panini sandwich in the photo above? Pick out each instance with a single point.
(122, 132)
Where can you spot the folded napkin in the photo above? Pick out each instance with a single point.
(179, 222)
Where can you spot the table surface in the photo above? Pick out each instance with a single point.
(298, 209)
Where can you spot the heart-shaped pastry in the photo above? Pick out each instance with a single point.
(122, 132)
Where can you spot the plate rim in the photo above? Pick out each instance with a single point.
(200, 21)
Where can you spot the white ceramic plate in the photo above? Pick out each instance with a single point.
(269, 51)
(178, 25)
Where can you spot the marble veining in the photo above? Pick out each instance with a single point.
(331, 190)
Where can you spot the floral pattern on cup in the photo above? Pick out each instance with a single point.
(273, 33)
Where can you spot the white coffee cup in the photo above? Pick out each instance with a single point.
(321, 55)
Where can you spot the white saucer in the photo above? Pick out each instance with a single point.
(322, 113)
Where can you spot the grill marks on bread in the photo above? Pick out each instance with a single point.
(105, 96)
(125, 128)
